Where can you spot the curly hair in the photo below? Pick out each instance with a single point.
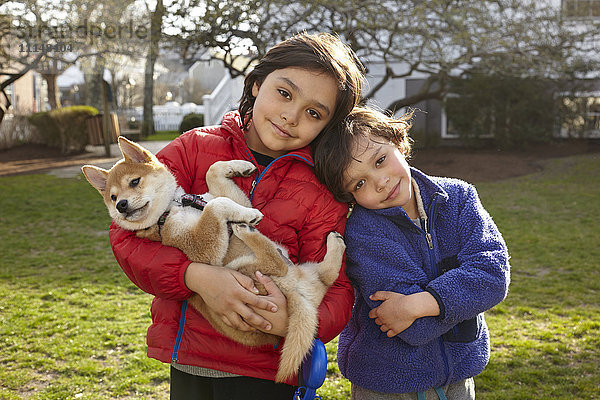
(321, 52)
(336, 151)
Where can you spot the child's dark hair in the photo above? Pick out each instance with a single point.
(335, 152)
(320, 52)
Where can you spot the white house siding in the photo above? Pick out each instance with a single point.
(428, 121)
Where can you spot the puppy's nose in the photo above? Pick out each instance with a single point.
(122, 206)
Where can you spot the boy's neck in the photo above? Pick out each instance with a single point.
(411, 208)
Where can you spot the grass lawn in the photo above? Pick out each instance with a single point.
(163, 135)
(72, 326)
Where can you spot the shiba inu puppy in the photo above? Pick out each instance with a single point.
(142, 195)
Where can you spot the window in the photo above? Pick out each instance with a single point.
(583, 119)
(581, 8)
(592, 117)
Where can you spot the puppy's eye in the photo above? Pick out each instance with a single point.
(134, 182)
(113, 197)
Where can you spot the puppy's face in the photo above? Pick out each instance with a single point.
(136, 190)
(134, 194)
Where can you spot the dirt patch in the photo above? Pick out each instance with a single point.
(472, 165)
(480, 165)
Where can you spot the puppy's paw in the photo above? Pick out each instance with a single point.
(250, 216)
(238, 168)
(335, 240)
(241, 229)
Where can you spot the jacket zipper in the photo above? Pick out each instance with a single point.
(262, 174)
(428, 237)
(428, 229)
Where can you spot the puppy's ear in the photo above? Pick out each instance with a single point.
(133, 152)
(96, 177)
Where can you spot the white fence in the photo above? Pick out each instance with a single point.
(16, 129)
(167, 117)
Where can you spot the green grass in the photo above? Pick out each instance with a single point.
(72, 326)
(71, 323)
(163, 135)
(546, 334)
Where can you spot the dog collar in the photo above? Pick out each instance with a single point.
(162, 218)
(193, 200)
(187, 200)
(161, 221)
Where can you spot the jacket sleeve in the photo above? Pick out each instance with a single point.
(479, 283)
(482, 277)
(154, 268)
(336, 307)
(378, 263)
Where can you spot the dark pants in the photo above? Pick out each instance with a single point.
(190, 387)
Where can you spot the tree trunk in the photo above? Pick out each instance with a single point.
(155, 34)
(53, 95)
(94, 84)
(106, 119)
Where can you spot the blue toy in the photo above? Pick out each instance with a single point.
(314, 370)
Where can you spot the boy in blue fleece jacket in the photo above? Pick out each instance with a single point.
(426, 261)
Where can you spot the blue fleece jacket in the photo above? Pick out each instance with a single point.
(457, 254)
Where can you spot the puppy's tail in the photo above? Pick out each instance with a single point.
(302, 328)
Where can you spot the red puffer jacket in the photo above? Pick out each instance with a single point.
(298, 212)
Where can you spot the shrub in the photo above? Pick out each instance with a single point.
(511, 111)
(190, 121)
(64, 128)
(47, 131)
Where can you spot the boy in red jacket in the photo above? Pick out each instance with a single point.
(300, 90)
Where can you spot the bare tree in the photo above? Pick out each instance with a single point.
(66, 33)
(156, 18)
(438, 39)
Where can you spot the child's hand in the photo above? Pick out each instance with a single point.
(392, 315)
(398, 312)
(230, 294)
(279, 319)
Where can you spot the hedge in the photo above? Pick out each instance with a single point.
(64, 128)
(191, 121)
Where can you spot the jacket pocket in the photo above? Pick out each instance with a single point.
(466, 331)
(447, 264)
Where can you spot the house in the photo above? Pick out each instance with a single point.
(431, 121)
(224, 91)
(207, 72)
(28, 94)
(206, 87)
(586, 102)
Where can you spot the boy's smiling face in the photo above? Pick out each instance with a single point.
(379, 176)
